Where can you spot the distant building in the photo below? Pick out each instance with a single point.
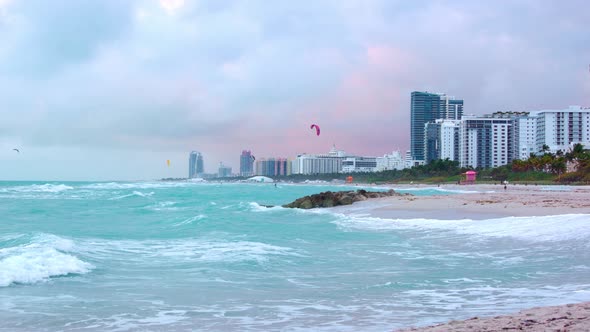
(359, 164)
(224, 171)
(390, 162)
(337, 161)
(319, 164)
(485, 141)
(246, 163)
(524, 128)
(410, 162)
(273, 167)
(442, 140)
(195, 165)
(426, 108)
(494, 140)
(559, 129)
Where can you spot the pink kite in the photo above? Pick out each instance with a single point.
(317, 129)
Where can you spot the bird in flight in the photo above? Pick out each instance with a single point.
(17, 150)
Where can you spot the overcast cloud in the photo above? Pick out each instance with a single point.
(110, 89)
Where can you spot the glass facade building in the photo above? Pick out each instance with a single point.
(246, 163)
(426, 108)
(195, 165)
(273, 167)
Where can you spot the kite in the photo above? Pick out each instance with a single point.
(168, 163)
(317, 129)
(17, 150)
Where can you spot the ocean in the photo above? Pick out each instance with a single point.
(179, 256)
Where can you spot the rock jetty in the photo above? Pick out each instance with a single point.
(331, 199)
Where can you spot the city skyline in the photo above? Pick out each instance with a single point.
(110, 90)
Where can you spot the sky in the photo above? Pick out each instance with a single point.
(111, 89)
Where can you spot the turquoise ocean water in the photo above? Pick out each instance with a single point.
(155, 256)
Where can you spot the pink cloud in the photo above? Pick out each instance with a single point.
(388, 58)
(369, 109)
(367, 112)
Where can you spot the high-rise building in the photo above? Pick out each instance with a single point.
(560, 129)
(556, 129)
(246, 163)
(485, 141)
(524, 133)
(273, 167)
(425, 108)
(195, 165)
(442, 140)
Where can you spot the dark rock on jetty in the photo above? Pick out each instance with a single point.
(330, 199)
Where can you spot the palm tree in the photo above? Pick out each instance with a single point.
(558, 166)
(578, 149)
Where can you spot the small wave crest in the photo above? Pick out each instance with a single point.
(134, 193)
(45, 256)
(190, 220)
(255, 207)
(137, 185)
(533, 229)
(261, 208)
(38, 188)
(195, 250)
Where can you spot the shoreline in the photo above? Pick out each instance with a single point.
(476, 202)
(567, 317)
(482, 202)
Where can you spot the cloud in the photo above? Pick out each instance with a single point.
(46, 36)
(219, 76)
(171, 6)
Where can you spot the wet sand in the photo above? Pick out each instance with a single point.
(569, 317)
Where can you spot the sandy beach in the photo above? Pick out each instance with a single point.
(569, 317)
(478, 202)
(487, 201)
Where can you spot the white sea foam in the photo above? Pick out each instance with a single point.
(315, 182)
(255, 207)
(164, 206)
(44, 257)
(134, 193)
(534, 229)
(38, 188)
(140, 185)
(130, 322)
(190, 220)
(183, 250)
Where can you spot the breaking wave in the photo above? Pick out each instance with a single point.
(45, 256)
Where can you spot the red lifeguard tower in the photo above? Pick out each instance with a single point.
(470, 177)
